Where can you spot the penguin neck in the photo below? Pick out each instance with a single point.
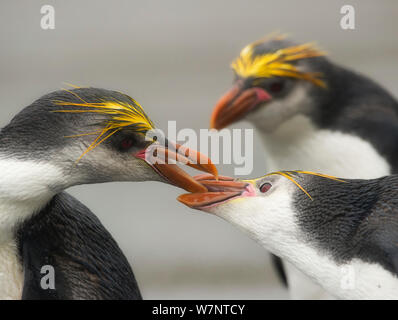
(26, 186)
(299, 144)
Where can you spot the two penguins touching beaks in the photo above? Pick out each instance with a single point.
(328, 200)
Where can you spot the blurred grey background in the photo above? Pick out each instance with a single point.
(173, 57)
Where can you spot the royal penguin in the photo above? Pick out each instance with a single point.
(63, 139)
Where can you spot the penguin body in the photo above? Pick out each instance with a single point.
(342, 234)
(299, 143)
(87, 262)
(352, 230)
(64, 234)
(23, 192)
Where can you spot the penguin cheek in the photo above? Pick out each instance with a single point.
(268, 116)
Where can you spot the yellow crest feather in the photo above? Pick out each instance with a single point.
(288, 175)
(277, 63)
(122, 114)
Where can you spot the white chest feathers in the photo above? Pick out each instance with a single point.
(297, 144)
(11, 274)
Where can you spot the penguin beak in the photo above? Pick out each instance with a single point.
(163, 160)
(219, 191)
(235, 104)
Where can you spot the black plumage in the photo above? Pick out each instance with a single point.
(357, 105)
(352, 219)
(87, 261)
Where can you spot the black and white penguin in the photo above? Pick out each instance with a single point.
(66, 138)
(343, 234)
(311, 114)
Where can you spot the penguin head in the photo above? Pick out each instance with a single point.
(94, 135)
(260, 207)
(265, 208)
(275, 79)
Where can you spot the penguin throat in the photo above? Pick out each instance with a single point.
(298, 144)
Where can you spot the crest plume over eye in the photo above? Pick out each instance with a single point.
(121, 114)
(280, 63)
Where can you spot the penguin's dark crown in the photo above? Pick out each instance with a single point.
(56, 118)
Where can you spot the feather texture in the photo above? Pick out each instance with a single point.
(278, 63)
(121, 115)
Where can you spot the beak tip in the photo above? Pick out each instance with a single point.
(213, 124)
(213, 170)
(214, 127)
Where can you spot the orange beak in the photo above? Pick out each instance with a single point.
(235, 104)
(163, 160)
(219, 191)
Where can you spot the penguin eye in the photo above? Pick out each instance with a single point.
(126, 144)
(265, 187)
(276, 86)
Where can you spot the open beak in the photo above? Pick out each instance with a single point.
(235, 104)
(219, 191)
(164, 159)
